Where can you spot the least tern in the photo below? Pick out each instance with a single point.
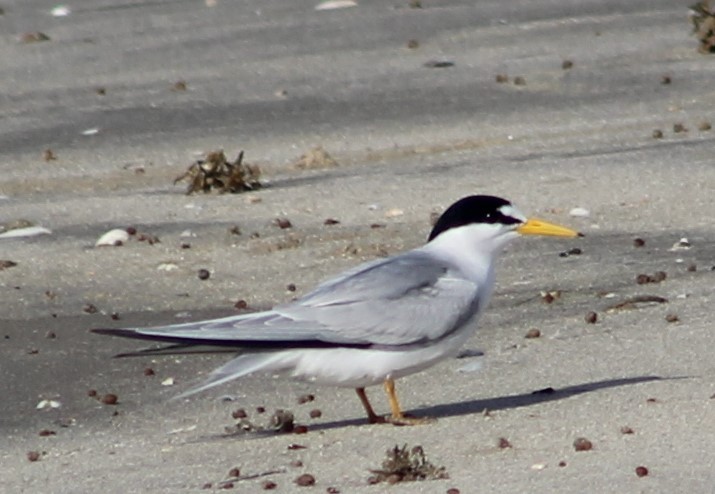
(375, 323)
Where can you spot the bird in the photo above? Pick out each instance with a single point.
(373, 324)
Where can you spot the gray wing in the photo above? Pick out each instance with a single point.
(402, 300)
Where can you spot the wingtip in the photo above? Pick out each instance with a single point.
(127, 333)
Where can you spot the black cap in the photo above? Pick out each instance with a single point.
(473, 209)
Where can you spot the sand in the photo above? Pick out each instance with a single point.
(276, 79)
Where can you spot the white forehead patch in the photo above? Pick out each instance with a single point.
(510, 211)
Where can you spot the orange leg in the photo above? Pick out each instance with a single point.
(398, 416)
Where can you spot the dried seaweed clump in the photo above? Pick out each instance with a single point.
(216, 172)
(403, 465)
(703, 18)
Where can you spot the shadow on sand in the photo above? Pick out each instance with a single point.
(504, 402)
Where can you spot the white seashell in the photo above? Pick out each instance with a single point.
(113, 238)
(60, 11)
(43, 404)
(167, 266)
(30, 231)
(580, 212)
(394, 213)
(682, 244)
(90, 132)
(187, 233)
(336, 4)
(169, 381)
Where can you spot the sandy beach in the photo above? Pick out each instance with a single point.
(601, 122)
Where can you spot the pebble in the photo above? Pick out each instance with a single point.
(305, 480)
(582, 444)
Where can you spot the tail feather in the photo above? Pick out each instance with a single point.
(181, 349)
(240, 366)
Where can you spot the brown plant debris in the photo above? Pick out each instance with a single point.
(314, 159)
(6, 263)
(703, 18)
(216, 172)
(280, 422)
(637, 302)
(403, 465)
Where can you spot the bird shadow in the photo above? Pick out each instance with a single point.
(470, 407)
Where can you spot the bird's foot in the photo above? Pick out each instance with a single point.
(405, 419)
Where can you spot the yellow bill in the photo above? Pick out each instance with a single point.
(534, 226)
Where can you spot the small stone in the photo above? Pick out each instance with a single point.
(260, 409)
(114, 316)
(179, 86)
(300, 429)
(269, 485)
(452, 490)
(185, 245)
(315, 414)
(148, 371)
(332, 490)
(282, 223)
(672, 318)
(234, 472)
(665, 80)
(502, 78)
(331, 221)
(582, 444)
(294, 446)
(519, 81)
(532, 333)
(33, 455)
(591, 317)
(566, 64)
(305, 398)
(413, 44)
(659, 276)
(92, 393)
(234, 230)
(641, 471)
(291, 287)
(131, 230)
(627, 430)
(51, 335)
(642, 279)
(562, 463)
(503, 443)
(241, 304)
(296, 464)
(239, 413)
(704, 126)
(109, 399)
(227, 485)
(46, 432)
(305, 480)
(692, 267)
(657, 134)
(89, 308)
(204, 274)
(679, 127)
(638, 242)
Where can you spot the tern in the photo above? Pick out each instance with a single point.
(372, 324)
